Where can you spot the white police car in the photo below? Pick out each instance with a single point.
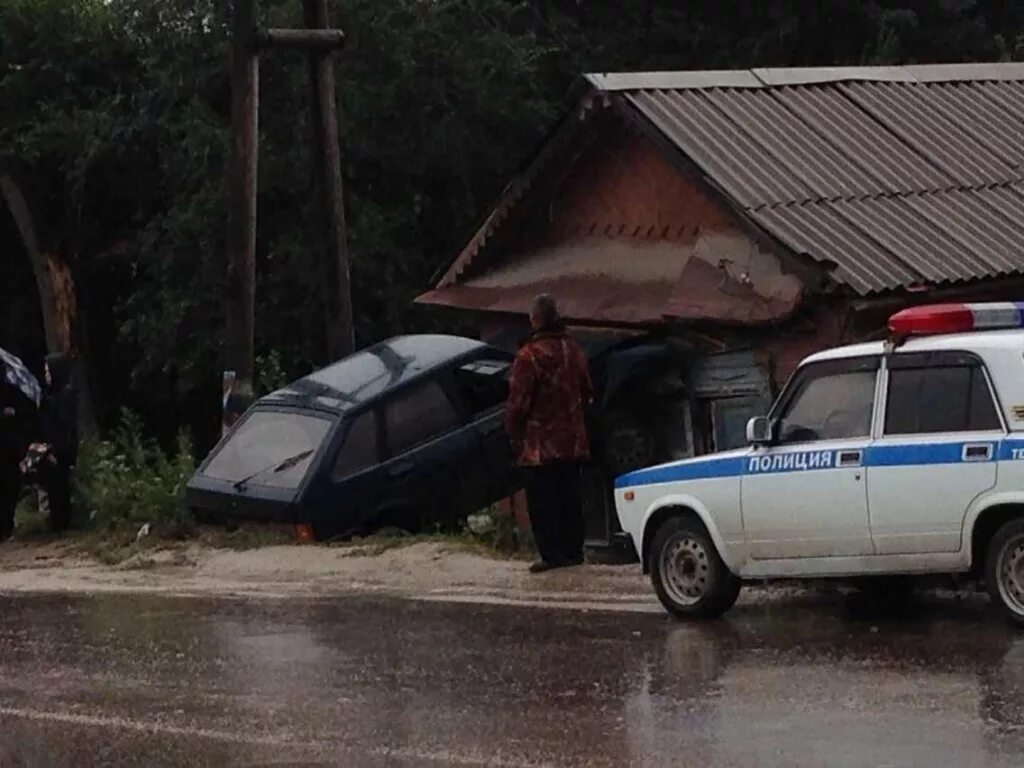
(897, 457)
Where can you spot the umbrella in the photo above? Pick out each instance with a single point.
(14, 372)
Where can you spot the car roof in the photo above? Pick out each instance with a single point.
(1012, 339)
(370, 373)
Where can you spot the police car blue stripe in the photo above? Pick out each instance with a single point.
(697, 470)
(1011, 450)
(914, 454)
(909, 454)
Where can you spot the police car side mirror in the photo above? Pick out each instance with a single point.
(760, 431)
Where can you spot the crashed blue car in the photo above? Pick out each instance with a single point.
(407, 434)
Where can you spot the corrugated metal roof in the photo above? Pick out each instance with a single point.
(916, 116)
(894, 175)
(889, 176)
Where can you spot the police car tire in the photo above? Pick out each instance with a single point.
(1004, 536)
(723, 587)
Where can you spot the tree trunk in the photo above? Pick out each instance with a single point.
(58, 299)
(44, 267)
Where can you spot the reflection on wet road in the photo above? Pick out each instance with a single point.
(150, 681)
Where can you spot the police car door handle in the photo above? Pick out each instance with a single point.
(977, 452)
(850, 458)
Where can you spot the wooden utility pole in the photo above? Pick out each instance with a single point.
(327, 165)
(319, 42)
(241, 241)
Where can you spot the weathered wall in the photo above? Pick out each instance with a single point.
(621, 235)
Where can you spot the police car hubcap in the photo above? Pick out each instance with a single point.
(1011, 575)
(685, 570)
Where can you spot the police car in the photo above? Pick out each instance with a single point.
(896, 457)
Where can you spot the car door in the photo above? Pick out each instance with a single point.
(428, 443)
(806, 494)
(936, 453)
(347, 492)
(482, 383)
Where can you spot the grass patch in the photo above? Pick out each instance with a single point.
(30, 522)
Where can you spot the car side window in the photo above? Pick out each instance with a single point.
(483, 384)
(937, 399)
(359, 451)
(830, 404)
(417, 416)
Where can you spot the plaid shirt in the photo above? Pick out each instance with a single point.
(549, 389)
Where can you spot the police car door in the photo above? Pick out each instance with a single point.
(806, 494)
(936, 454)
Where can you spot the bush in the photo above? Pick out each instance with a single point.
(127, 480)
(497, 530)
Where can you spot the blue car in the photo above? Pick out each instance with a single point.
(406, 434)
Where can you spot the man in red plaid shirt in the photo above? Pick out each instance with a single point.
(549, 391)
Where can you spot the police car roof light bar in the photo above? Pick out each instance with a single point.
(936, 319)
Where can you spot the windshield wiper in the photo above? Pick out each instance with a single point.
(279, 466)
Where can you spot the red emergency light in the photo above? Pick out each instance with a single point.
(935, 319)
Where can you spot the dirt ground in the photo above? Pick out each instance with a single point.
(422, 570)
(439, 571)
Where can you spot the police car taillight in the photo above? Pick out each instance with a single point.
(956, 318)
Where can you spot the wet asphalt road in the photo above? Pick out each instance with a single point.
(819, 680)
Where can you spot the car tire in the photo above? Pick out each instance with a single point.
(1004, 570)
(688, 574)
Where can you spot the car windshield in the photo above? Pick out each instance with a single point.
(263, 450)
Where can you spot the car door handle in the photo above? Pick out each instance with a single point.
(850, 458)
(977, 452)
(401, 470)
(489, 428)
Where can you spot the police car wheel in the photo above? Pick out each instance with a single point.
(687, 572)
(1004, 570)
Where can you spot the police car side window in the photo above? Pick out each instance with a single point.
(939, 398)
(830, 404)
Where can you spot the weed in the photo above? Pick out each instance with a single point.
(127, 481)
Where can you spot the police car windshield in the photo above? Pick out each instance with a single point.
(830, 406)
(269, 439)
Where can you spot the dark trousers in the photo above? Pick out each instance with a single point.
(10, 490)
(556, 511)
(56, 481)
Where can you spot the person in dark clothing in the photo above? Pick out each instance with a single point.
(58, 422)
(545, 418)
(16, 416)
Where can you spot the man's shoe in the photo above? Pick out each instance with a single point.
(541, 566)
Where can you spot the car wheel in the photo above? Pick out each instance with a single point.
(1004, 570)
(687, 572)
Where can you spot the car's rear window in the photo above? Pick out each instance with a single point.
(272, 448)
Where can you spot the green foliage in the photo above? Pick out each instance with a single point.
(270, 375)
(127, 480)
(29, 520)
